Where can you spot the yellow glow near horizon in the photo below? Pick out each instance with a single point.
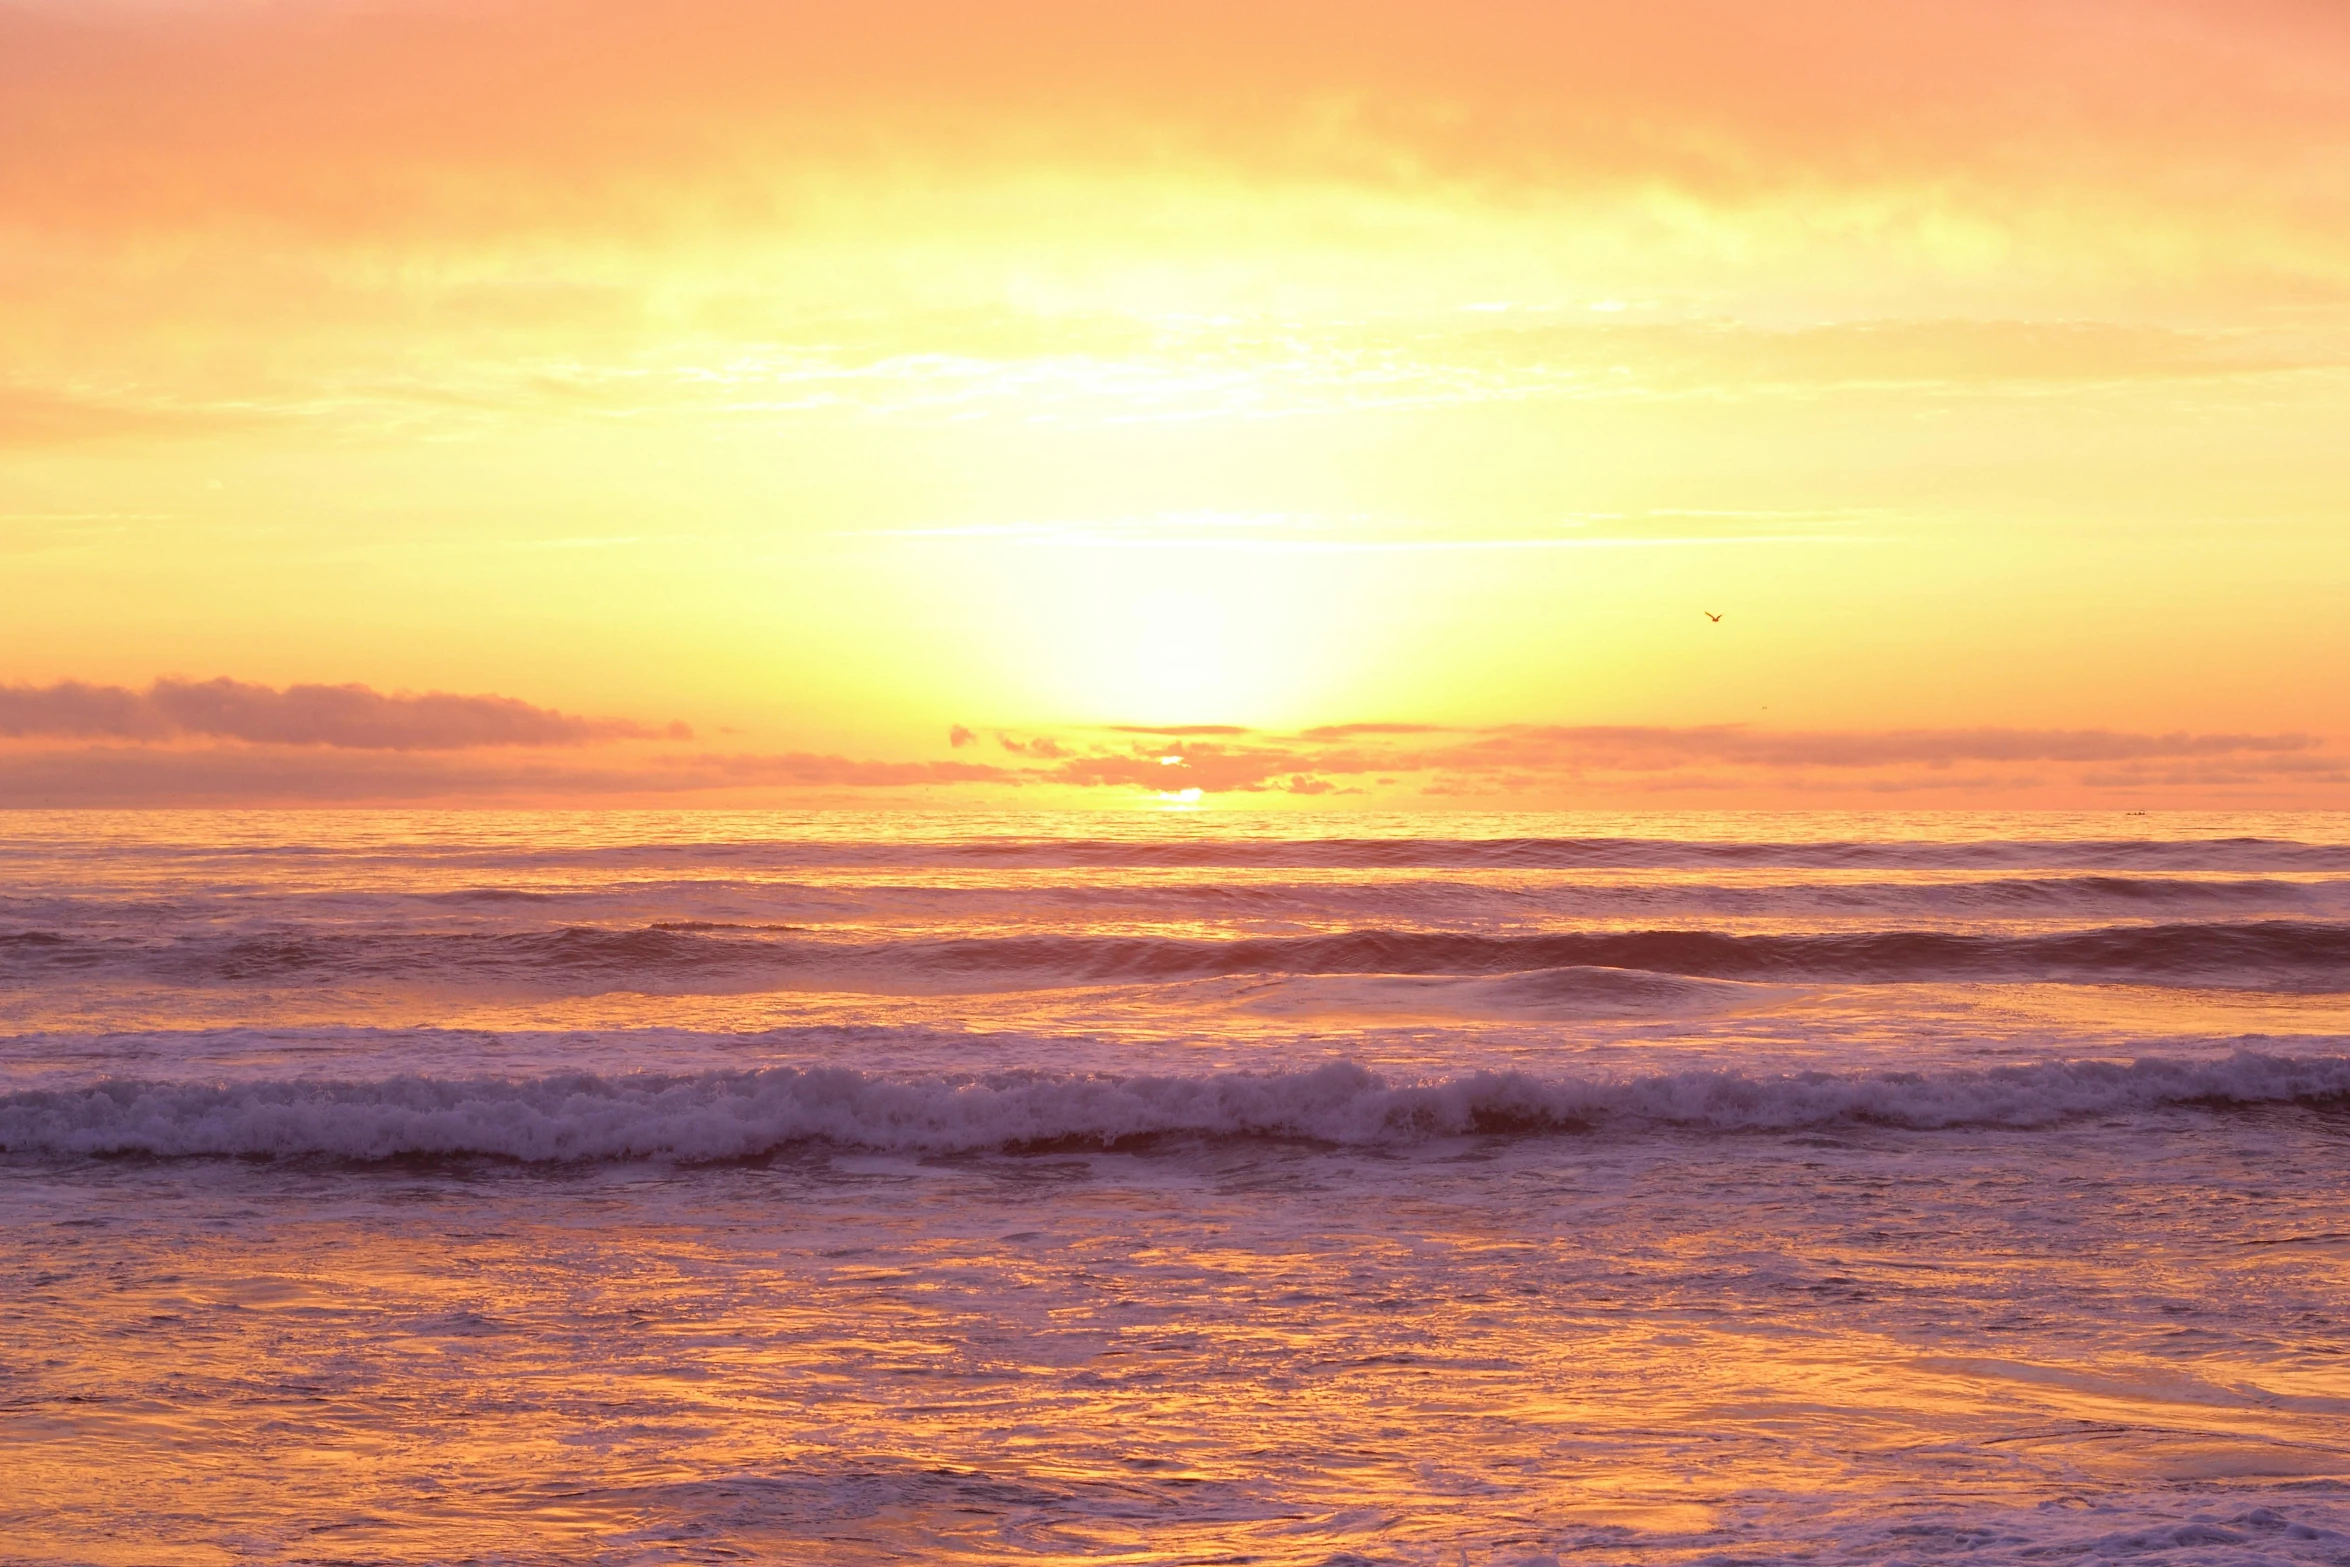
(828, 379)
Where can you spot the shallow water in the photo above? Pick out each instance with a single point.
(684, 1188)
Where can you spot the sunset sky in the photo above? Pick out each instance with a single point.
(1079, 402)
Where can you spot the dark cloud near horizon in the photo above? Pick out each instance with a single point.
(1634, 746)
(283, 756)
(346, 717)
(138, 776)
(1514, 758)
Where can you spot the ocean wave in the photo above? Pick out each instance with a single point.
(1172, 850)
(1439, 899)
(720, 1116)
(1171, 845)
(1557, 993)
(693, 957)
(2257, 954)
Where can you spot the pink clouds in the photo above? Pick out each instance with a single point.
(1642, 748)
(31, 416)
(353, 717)
(1556, 763)
(1554, 767)
(351, 744)
(164, 776)
(512, 114)
(222, 741)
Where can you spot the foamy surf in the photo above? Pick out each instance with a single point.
(457, 1188)
(736, 1115)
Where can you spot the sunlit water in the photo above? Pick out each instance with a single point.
(1432, 1190)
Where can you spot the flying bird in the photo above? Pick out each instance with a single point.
(1709, 614)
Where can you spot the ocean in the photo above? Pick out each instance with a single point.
(1174, 1188)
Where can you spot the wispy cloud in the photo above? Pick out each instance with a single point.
(1282, 533)
(529, 114)
(38, 416)
(561, 173)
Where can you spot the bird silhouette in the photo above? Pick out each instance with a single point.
(1709, 614)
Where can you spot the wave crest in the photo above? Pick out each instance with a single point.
(719, 1116)
(690, 956)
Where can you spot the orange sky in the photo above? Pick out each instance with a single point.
(1355, 403)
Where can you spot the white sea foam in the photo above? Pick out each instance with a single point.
(733, 1115)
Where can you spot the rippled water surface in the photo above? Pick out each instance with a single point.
(859, 1189)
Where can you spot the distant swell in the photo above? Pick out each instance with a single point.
(1561, 853)
(740, 1115)
(2257, 954)
(2279, 954)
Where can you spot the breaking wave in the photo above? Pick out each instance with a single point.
(719, 1116)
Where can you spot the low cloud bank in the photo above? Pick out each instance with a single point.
(349, 717)
(133, 777)
(1557, 764)
(228, 742)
